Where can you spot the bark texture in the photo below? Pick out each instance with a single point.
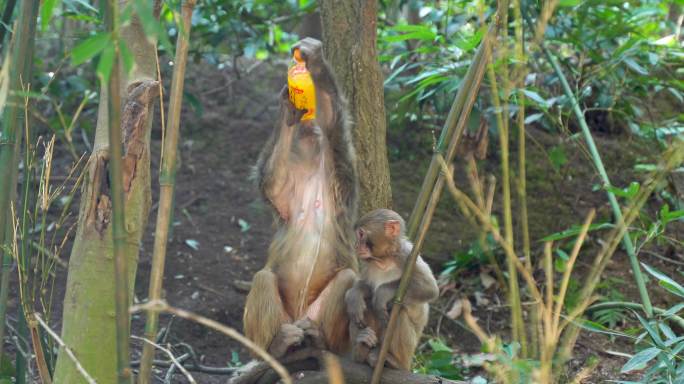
(88, 322)
(349, 36)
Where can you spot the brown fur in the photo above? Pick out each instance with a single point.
(301, 160)
(384, 249)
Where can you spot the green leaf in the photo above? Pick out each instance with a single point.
(244, 225)
(7, 370)
(569, 3)
(673, 311)
(640, 360)
(627, 193)
(636, 66)
(87, 49)
(46, 12)
(471, 42)
(533, 117)
(439, 346)
(104, 66)
(411, 32)
(652, 332)
(558, 157)
(537, 98)
(665, 281)
(574, 231)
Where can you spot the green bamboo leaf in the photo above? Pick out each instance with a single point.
(640, 360)
(411, 28)
(533, 117)
(536, 98)
(627, 193)
(104, 66)
(569, 3)
(46, 12)
(411, 32)
(665, 281)
(674, 310)
(636, 67)
(89, 48)
(650, 331)
(574, 231)
(470, 42)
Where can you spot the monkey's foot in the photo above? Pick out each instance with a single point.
(289, 335)
(372, 358)
(312, 332)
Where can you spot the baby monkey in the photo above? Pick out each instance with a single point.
(383, 249)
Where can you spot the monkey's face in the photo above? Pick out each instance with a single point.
(364, 244)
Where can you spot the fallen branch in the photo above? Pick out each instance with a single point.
(307, 366)
(173, 359)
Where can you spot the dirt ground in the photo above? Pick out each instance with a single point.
(222, 228)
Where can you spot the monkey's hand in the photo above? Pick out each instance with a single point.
(311, 332)
(312, 53)
(289, 113)
(367, 337)
(356, 306)
(289, 335)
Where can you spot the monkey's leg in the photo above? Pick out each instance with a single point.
(265, 317)
(332, 313)
(404, 341)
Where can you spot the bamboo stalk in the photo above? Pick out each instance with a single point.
(517, 325)
(598, 163)
(167, 181)
(454, 124)
(10, 140)
(117, 195)
(23, 258)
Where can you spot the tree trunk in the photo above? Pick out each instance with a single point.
(88, 323)
(349, 35)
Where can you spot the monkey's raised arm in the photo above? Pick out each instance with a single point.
(271, 168)
(331, 117)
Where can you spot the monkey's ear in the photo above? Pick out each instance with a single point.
(392, 228)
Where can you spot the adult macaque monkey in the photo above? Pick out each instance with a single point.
(384, 249)
(307, 172)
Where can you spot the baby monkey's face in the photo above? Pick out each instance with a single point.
(364, 244)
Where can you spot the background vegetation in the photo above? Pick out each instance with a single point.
(526, 177)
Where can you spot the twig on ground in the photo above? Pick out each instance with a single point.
(162, 306)
(66, 349)
(175, 362)
(191, 367)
